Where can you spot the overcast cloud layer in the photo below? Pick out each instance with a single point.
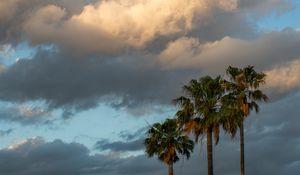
(136, 55)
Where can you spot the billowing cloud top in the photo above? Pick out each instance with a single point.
(132, 53)
(136, 55)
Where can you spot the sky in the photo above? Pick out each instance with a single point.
(82, 80)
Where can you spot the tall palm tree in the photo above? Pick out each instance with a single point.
(200, 111)
(167, 141)
(244, 87)
(232, 115)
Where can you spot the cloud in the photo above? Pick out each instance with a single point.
(47, 25)
(284, 78)
(25, 115)
(6, 132)
(258, 8)
(265, 135)
(136, 24)
(35, 156)
(6, 50)
(127, 135)
(130, 141)
(120, 146)
(87, 81)
(133, 81)
(135, 59)
(14, 13)
(276, 124)
(140, 21)
(263, 52)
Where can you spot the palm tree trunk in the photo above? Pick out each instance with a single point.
(242, 156)
(170, 166)
(209, 152)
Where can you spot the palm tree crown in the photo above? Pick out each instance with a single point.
(244, 84)
(167, 141)
(200, 110)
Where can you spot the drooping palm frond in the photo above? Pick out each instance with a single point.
(167, 141)
(244, 85)
(244, 88)
(200, 107)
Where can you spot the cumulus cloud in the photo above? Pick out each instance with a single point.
(47, 25)
(136, 24)
(35, 156)
(103, 31)
(263, 52)
(285, 77)
(76, 84)
(140, 53)
(139, 21)
(14, 13)
(136, 58)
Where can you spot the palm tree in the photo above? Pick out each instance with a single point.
(231, 113)
(167, 141)
(200, 111)
(244, 88)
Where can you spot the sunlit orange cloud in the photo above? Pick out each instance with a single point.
(111, 24)
(284, 77)
(139, 21)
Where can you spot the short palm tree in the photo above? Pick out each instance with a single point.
(243, 88)
(200, 111)
(167, 141)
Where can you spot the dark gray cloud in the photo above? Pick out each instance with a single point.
(129, 135)
(25, 115)
(135, 77)
(69, 83)
(35, 157)
(272, 144)
(76, 84)
(137, 83)
(120, 146)
(92, 66)
(272, 147)
(257, 8)
(130, 141)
